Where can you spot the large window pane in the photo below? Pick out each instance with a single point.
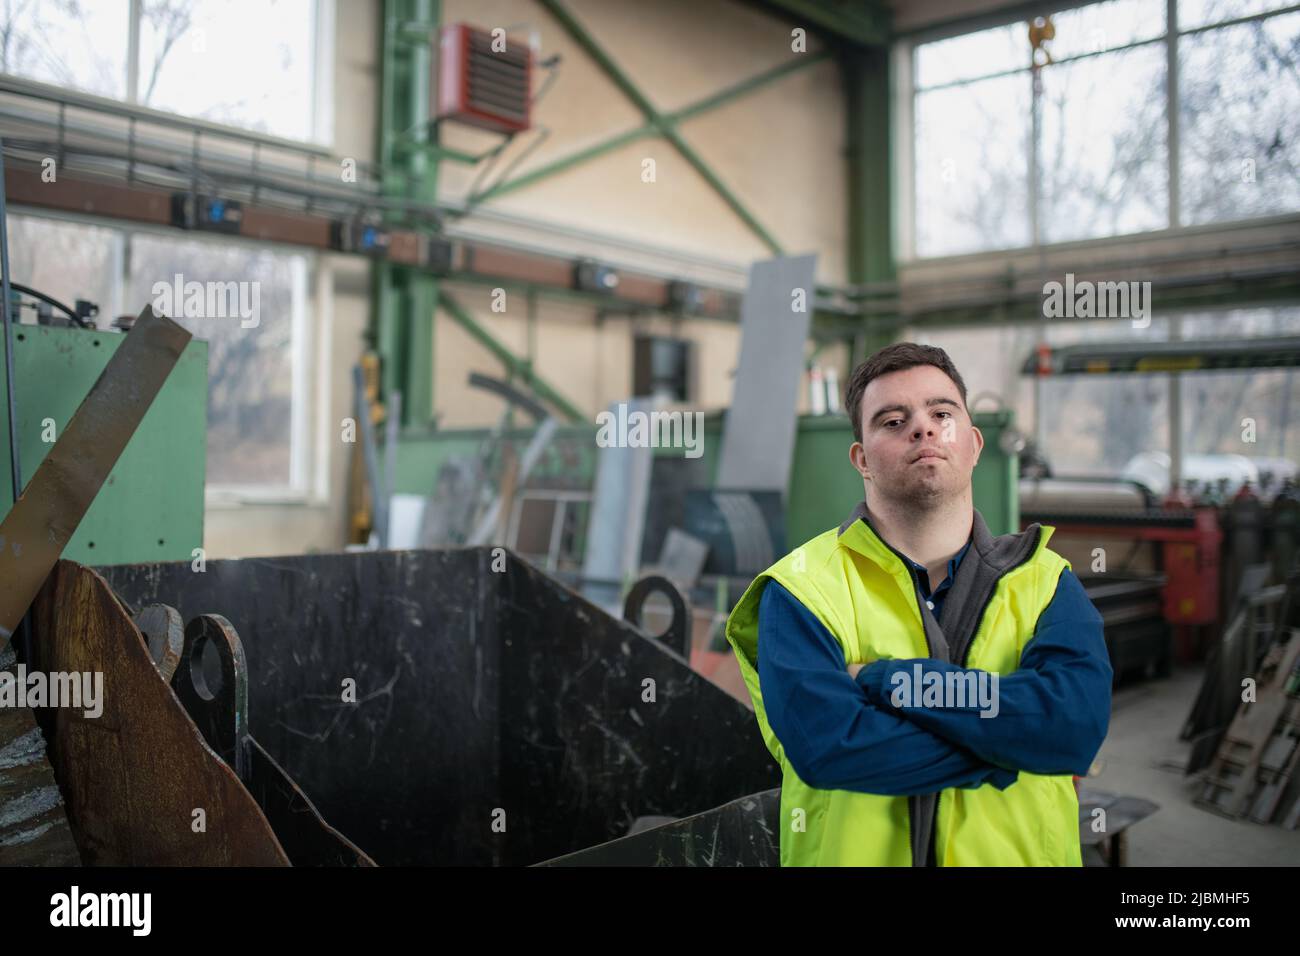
(1215, 405)
(68, 261)
(972, 158)
(972, 56)
(250, 367)
(1240, 120)
(1104, 159)
(1200, 13)
(1104, 26)
(246, 63)
(79, 44)
(1095, 425)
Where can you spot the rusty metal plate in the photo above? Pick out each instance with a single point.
(136, 778)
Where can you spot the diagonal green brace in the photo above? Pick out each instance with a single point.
(657, 121)
(710, 102)
(513, 364)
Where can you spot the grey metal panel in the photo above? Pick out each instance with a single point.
(758, 438)
(617, 517)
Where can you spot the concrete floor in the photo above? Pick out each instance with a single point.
(1146, 717)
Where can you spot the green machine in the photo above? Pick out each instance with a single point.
(151, 507)
(823, 485)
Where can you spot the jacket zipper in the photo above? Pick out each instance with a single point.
(916, 593)
(979, 620)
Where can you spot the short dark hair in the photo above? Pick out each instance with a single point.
(895, 358)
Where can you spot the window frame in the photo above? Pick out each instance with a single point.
(310, 354)
(903, 129)
(321, 139)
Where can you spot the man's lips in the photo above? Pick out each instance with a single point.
(928, 454)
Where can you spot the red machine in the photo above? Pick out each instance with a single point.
(485, 79)
(1186, 536)
(1191, 565)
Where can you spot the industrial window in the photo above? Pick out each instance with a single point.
(1239, 87)
(67, 261)
(257, 354)
(1003, 155)
(78, 45)
(261, 364)
(251, 64)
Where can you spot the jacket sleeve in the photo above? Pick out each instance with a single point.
(832, 736)
(1050, 716)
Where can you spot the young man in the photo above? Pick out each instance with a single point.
(928, 689)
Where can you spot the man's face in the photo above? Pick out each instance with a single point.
(918, 444)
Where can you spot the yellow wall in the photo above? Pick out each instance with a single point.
(778, 148)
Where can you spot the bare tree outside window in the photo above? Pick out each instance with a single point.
(1103, 165)
(73, 43)
(245, 63)
(1240, 116)
(68, 261)
(250, 370)
(1103, 170)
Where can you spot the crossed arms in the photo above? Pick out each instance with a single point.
(842, 732)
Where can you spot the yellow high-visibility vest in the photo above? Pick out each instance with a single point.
(863, 592)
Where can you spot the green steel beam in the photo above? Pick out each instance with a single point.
(651, 129)
(827, 324)
(564, 162)
(866, 87)
(730, 198)
(404, 298)
(865, 75)
(514, 365)
(585, 40)
(862, 22)
(656, 119)
(726, 95)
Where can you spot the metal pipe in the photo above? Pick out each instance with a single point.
(114, 107)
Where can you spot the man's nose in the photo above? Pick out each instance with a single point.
(924, 428)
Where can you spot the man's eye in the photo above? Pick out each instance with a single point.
(892, 422)
(949, 414)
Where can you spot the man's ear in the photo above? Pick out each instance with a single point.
(978, 438)
(858, 456)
